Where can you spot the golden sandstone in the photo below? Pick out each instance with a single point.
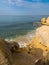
(45, 21)
(42, 36)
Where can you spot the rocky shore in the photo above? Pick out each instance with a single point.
(11, 54)
(34, 51)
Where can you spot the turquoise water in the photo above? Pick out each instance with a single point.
(11, 26)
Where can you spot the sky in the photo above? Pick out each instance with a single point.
(24, 7)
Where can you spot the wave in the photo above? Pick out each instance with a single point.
(27, 37)
(22, 40)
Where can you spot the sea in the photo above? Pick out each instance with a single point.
(13, 26)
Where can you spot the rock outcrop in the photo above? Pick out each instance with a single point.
(9, 54)
(45, 21)
(5, 53)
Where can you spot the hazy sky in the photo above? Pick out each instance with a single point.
(24, 7)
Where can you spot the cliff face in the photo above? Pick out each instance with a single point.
(43, 34)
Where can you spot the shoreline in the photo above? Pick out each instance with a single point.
(29, 34)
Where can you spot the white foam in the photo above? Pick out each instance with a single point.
(22, 44)
(6, 39)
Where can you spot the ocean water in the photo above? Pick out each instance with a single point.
(13, 26)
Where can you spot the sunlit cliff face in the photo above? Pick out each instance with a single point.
(43, 32)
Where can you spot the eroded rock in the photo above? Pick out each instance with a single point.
(43, 21)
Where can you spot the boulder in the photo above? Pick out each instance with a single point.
(14, 46)
(43, 21)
